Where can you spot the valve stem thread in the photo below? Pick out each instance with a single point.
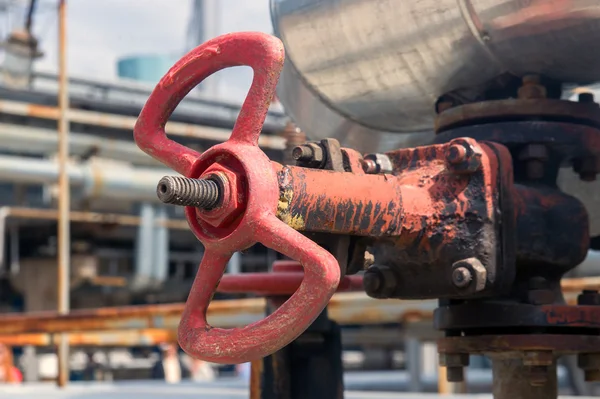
(183, 191)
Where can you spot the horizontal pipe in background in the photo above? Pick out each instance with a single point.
(345, 308)
(128, 122)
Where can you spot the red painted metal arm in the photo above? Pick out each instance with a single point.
(247, 213)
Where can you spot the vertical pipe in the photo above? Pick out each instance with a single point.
(414, 364)
(161, 246)
(144, 263)
(63, 196)
(234, 266)
(15, 260)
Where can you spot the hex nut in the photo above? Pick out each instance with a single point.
(454, 359)
(478, 272)
(454, 363)
(462, 161)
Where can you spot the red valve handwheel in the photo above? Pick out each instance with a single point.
(253, 197)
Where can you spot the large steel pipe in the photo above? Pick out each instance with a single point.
(363, 67)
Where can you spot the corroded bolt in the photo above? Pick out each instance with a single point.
(531, 88)
(462, 157)
(302, 153)
(474, 276)
(456, 154)
(379, 281)
(461, 277)
(454, 363)
(535, 157)
(183, 191)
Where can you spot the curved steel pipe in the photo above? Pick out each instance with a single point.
(366, 67)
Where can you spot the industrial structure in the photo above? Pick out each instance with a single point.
(448, 196)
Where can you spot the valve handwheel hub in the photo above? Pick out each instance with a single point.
(244, 212)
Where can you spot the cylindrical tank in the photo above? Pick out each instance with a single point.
(375, 68)
(145, 68)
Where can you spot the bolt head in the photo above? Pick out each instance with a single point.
(380, 281)
(477, 271)
(456, 154)
(461, 277)
(465, 160)
(586, 98)
(302, 153)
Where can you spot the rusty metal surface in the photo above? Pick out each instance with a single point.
(124, 338)
(569, 140)
(518, 109)
(344, 308)
(514, 379)
(558, 343)
(543, 246)
(321, 201)
(253, 194)
(450, 198)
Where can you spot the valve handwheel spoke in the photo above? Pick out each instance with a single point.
(244, 193)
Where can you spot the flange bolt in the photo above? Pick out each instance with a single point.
(183, 191)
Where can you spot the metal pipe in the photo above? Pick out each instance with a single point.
(144, 252)
(160, 256)
(127, 338)
(64, 200)
(344, 308)
(126, 123)
(98, 178)
(513, 380)
(41, 141)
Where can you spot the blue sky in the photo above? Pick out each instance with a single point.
(101, 31)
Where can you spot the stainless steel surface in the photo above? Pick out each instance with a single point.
(382, 63)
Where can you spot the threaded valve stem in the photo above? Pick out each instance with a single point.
(183, 191)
